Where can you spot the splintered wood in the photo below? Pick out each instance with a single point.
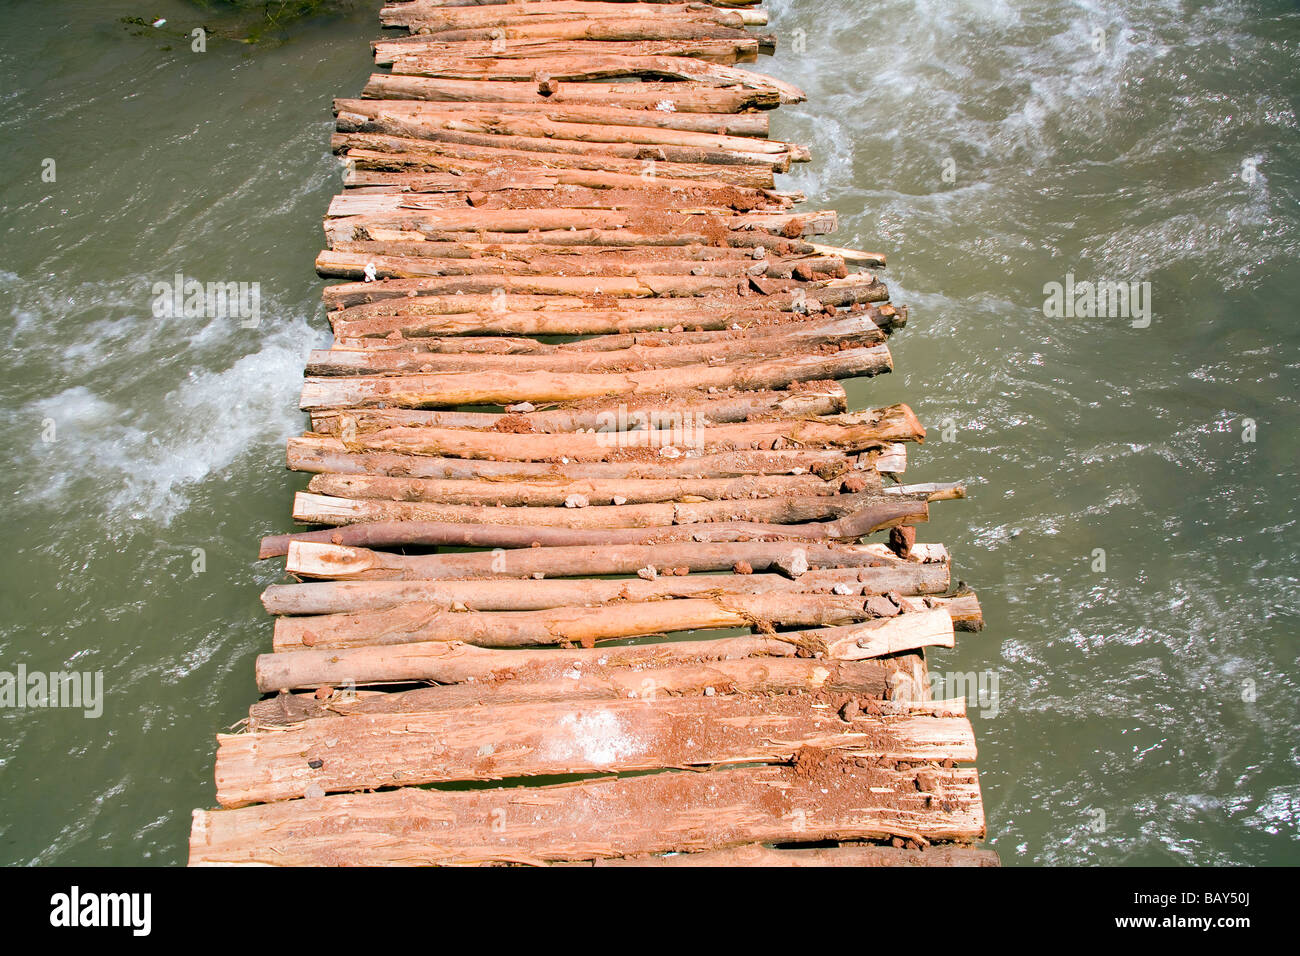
(595, 505)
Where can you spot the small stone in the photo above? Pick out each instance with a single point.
(538, 575)
(850, 710)
(521, 407)
(709, 692)
(476, 198)
(648, 574)
(576, 501)
(324, 693)
(842, 589)
(315, 763)
(620, 500)
(853, 483)
(742, 567)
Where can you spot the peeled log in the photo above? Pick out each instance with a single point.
(575, 625)
(455, 388)
(646, 96)
(450, 662)
(313, 560)
(907, 578)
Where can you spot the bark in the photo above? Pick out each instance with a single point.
(560, 58)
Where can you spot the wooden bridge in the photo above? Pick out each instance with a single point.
(595, 584)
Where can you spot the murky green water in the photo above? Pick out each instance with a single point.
(1160, 691)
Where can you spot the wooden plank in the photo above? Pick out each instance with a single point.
(364, 752)
(822, 799)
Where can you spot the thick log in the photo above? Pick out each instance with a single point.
(310, 559)
(385, 430)
(434, 390)
(453, 662)
(420, 17)
(561, 58)
(628, 143)
(906, 578)
(666, 411)
(582, 625)
(584, 124)
(822, 799)
(519, 312)
(379, 151)
(854, 855)
(371, 751)
(594, 66)
(554, 494)
(560, 111)
(337, 263)
(865, 680)
(676, 97)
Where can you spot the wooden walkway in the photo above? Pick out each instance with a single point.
(595, 583)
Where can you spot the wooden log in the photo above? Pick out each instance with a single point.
(561, 58)
(421, 119)
(335, 263)
(443, 389)
(591, 185)
(863, 680)
(555, 493)
(669, 433)
(870, 511)
(852, 330)
(309, 559)
(665, 36)
(371, 751)
(514, 311)
(906, 578)
(560, 111)
(573, 625)
(627, 143)
(380, 151)
(657, 813)
(594, 66)
(453, 662)
(411, 319)
(662, 412)
(854, 855)
(417, 16)
(680, 97)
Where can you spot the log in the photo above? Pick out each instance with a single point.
(906, 578)
(594, 66)
(867, 680)
(554, 494)
(443, 389)
(669, 410)
(681, 97)
(337, 263)
(310, 559)
(576, 625)
(869, 512)
(520, 312)
(429, 317)
(657, 813)
(561, 58)
(854, 855)
(379, 151)
(417, 16)
(420, 119)
(387, 430)
(454, 662)
(371, 751)
(560, 111)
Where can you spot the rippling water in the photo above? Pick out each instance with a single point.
(1135, 141)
